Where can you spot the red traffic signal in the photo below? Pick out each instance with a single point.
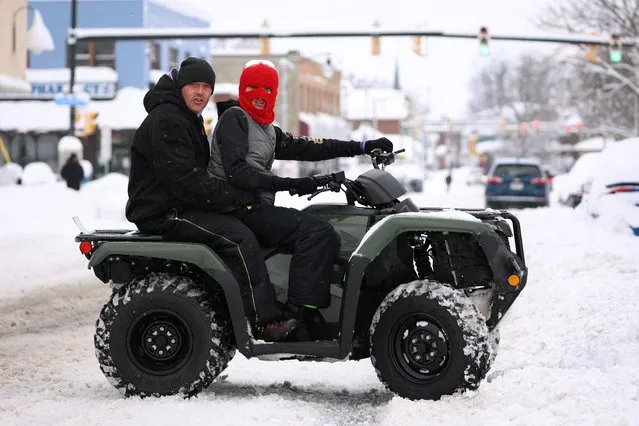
(536, 124)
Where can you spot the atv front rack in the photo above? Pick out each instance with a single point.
(488, 215)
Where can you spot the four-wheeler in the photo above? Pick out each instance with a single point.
(419, 291)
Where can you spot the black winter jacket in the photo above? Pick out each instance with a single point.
(232, 135)
(169, 158)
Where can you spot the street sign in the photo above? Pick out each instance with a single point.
(72, 99)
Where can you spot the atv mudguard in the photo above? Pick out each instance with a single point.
(196, 254)
(501, 260)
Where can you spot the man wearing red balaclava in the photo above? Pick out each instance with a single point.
(243, 147)
(258, 92)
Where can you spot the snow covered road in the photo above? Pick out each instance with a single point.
(568, 353)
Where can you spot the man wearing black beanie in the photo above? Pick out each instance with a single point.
(172, 194)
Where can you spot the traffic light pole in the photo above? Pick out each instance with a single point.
(128, 34)
(71, 51)
(206, 33)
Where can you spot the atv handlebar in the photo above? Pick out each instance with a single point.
(333, 181)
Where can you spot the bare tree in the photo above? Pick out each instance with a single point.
(605, 93)
(527, 88)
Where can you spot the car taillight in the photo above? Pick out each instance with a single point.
(539, 181)
(494, 180)
(86, 247)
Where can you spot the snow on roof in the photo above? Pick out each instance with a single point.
(39, 116)
(376, 103)
(10, 84)
(325, 126)
(82, 75)
(124, 111)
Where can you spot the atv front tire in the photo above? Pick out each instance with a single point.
(429, 340)
(160, 335)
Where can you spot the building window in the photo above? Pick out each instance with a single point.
(155, 56)
(173, 57)
(91, 53)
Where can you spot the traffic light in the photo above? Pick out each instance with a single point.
(417, 45)
(208, 126)
(376, 47)
(90, 124)
(484, 38)
(614, 49)
(536, 125)
(591, 52)
(523, 126)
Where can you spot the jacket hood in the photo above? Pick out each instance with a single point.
(165, 91)
(222, 106)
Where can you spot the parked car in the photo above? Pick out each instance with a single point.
(613, 196)
(475, 176)
(410, 175)
(516, 182)
(569, 187)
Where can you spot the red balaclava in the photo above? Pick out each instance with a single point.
(260, 75)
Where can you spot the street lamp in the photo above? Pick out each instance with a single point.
(38, 37)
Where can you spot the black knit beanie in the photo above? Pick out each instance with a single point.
(195, 70)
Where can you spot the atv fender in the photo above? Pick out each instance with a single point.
(196, 254)
(387, 229)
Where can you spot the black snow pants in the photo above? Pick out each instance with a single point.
(236, 244)
(311, 240)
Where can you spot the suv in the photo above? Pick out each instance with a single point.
(516, 182)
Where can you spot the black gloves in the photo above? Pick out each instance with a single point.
(300, 186)
(381, 143)
(303, 186)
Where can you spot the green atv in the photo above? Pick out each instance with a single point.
(419, 291)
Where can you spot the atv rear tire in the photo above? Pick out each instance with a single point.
(160, 335)
(429, 340)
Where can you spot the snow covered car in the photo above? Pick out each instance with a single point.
(421, 292)
(411, 176)
(613, 196)
(569, 187)
(475, 176)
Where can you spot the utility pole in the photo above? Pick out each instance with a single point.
(71, 51)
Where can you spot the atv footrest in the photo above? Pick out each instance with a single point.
(325, 349)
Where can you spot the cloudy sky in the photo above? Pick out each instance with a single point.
(440, 79)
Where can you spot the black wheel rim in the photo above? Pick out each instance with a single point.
(159, 342)
(419, 348)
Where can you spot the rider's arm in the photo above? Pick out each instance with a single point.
(232, 136)
(171, 154)
(289, 147)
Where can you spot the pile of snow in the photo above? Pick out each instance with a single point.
(10, 173)
(109, 196)
(618, 164)
(38, 173)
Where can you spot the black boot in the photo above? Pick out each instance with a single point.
(276, 331)
(311, 324)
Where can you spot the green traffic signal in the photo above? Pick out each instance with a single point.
(616, 55)
(484, 50)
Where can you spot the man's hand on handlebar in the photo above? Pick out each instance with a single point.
(382, 144)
